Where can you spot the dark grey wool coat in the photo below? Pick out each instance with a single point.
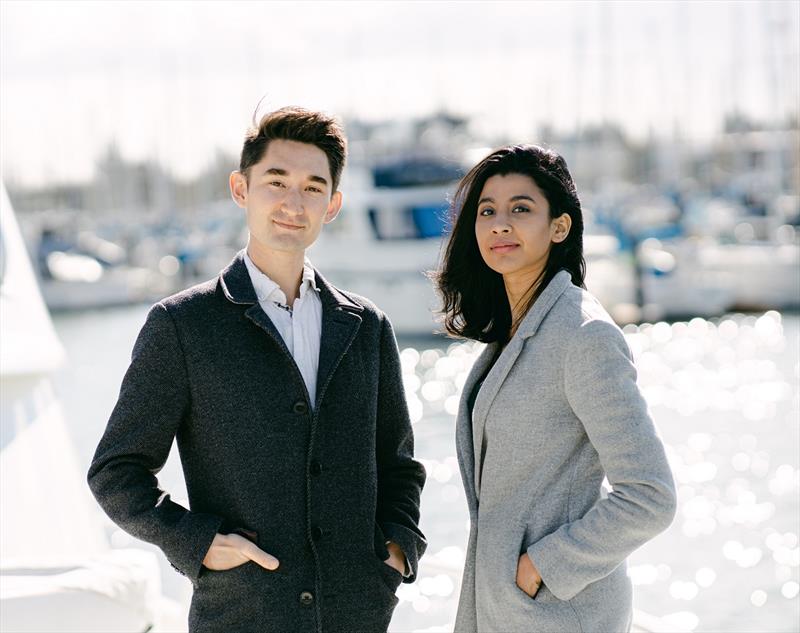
(322, 487)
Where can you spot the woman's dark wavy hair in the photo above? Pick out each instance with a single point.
(475, 304)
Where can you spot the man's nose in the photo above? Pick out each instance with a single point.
(292, 202)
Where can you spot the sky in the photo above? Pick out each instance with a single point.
(175, 80)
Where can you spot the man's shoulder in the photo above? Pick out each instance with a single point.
(199, 296)
(368, 308)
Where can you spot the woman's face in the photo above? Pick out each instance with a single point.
(513, 225)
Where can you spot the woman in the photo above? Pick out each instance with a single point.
(550, 408)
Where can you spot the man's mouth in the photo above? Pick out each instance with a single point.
(290, 227)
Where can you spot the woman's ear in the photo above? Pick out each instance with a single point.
(559, 228)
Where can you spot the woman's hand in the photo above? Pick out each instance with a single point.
(231, 550)
(528, 578)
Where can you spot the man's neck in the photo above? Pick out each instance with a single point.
(282, 267)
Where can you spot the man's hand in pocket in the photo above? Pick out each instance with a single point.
(231, 550)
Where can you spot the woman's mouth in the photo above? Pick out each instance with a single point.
(503, 248)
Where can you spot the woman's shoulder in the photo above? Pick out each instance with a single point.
(587, 328)
(577, 308)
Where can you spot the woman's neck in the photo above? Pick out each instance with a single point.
(520, 287)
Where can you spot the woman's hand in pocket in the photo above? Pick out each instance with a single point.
(528, 578)
(231, 550)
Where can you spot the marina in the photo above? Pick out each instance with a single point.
(122, 124)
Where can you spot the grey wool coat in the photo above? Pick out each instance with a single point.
(320, 487)
(558, 412)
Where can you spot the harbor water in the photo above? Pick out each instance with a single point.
(724, 395)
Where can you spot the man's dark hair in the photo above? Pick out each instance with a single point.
(475, 303)
(296, 124)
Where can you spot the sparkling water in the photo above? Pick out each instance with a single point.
(723, 393)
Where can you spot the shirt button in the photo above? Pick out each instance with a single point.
(317, 532)
(300, 407)
(315, 468)
(306, 598)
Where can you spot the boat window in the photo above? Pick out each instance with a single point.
(415, 173)
(414, 223)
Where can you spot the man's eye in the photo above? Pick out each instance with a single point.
(276, 183)
(521, 208)
(315, 189)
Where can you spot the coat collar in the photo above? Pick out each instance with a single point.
(235, 282)
(558, 284)
(341, 318)
(238, 287)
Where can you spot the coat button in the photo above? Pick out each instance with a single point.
(306, 598)
(315, 468)
(300, 407)
(317, 533)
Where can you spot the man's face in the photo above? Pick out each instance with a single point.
(287, 196)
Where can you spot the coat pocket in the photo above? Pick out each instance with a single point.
(389, 575)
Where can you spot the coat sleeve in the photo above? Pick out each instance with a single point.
(400, 476)
(153, 401)
(600, 384)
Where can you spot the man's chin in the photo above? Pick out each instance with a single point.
(289, 243)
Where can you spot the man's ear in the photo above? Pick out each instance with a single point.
(238, 185)
(334, 206)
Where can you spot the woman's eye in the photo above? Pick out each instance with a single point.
(487, 211)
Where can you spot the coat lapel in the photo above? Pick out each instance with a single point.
(238, 288)
(341, 319)
(495, 378)
(497, 375)
(464, 444)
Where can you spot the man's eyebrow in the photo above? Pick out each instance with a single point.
(277, 171)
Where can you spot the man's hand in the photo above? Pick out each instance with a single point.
(396, 560)
(231, 550)
(528, 578)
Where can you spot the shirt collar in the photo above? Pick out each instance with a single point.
(309, 279)
(268, 290)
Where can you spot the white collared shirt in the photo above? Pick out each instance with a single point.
(301, 329)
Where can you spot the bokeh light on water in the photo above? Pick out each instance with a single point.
(724, 395)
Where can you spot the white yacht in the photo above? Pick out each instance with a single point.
(387, 238)
(57, 570)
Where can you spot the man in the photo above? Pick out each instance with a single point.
(286, 398)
